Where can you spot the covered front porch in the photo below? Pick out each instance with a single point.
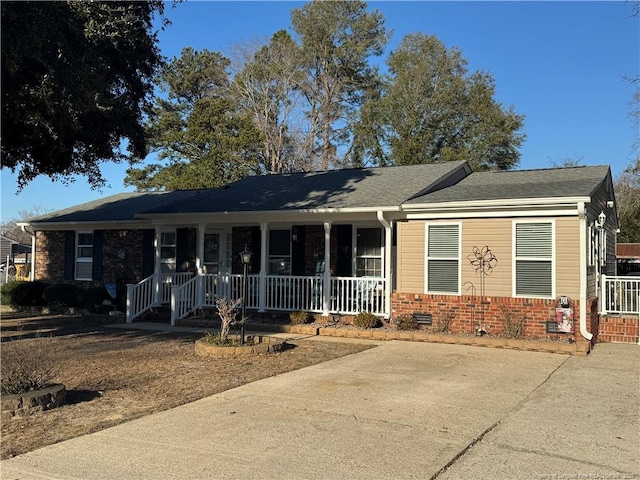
(336, 267)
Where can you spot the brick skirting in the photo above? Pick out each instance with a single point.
(467, 313)
(617, 328)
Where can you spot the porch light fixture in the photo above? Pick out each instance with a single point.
(245, 257)
(601, 219)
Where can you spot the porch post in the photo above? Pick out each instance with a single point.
(326, 281)
(388, 240)
(200, 262)
(200, 248)
(158, 280)
(387, 270)
(262, 284)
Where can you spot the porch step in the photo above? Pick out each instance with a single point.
(156, 315)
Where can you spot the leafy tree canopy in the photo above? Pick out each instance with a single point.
(75, 79)
(433, 110)
(201, 135)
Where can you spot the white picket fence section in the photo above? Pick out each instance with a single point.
(620, 295)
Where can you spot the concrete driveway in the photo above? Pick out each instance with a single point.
(399, 411)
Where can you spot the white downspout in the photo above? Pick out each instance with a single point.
(387, 262)
(32, 273)
(582, 219)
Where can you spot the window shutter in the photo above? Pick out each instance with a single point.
(69, 254)
(148, 252)
(182, 249)
(98, 241)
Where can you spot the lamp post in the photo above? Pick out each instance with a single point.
(245, 257)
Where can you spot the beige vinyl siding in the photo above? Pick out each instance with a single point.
(411, 251)
(568, 257)
(494, 233)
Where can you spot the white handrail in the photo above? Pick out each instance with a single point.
(185, 298)
(140, 297)
(620, 295)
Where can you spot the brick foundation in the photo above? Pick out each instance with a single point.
(617, 328)
(466, 313)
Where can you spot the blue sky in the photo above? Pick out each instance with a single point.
(561, 64)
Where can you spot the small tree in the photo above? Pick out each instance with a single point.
(227, 311)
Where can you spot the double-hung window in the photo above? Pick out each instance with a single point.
(443, 258)
(168, 251)
(279, 252)
(533, 259)
(369, 252)
(84, 255)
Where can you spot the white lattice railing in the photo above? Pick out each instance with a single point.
(620, 295)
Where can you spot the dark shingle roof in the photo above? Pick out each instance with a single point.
(334, 189)
(348, 188)
(520, 184)
(119, 207)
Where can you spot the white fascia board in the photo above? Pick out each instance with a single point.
(109, 225)
(493, 209)
(477, 204)
(306, 215)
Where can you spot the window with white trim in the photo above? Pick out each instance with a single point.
(534, 259)
(279, 252)
(168, 251)
(84, 255)
(443, 258)
(369, 252)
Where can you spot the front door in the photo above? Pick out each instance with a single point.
(215, 257)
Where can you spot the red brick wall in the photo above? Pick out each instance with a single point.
(469, 312)
(49, 256)
(618, 329)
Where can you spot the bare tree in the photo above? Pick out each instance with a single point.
(10, 228)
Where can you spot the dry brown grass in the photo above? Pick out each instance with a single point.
(114, 375)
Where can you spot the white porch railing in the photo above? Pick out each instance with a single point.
(294, 293)
(140, 297)
(620, 295)
(151, 293)
(348, 295)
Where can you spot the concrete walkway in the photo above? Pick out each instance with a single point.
(399, 411)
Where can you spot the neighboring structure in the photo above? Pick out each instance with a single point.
(15, 255)
(394, 240)
(628, 258)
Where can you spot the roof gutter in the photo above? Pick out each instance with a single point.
(486, 204)
(582, 216)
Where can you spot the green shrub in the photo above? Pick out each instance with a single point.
(406, 322)
(298, 317)
(93, 298)
(62, 295)
(24, 294)
(6, 292)
(366, 320)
